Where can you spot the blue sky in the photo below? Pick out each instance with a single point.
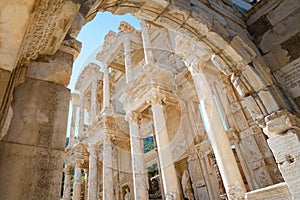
(92, 35)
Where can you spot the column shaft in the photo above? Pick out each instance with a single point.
(93, 172)
(81, 117)
(137, 158)
(169, 177)
(94, 99)
(106, 92)
(77, 181)
(127, 55)
(229, 170)
(149, 57)
(67, 184)
(73, 124)
(108, 183)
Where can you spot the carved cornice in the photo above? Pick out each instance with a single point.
(43, 22)
(90, 72)
(125, 27)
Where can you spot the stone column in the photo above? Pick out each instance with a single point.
(67, 183)
(169, 177)
(94, 99)
(81, 116)
(73, 124)
(149, 57)
(137, 158)
(77, 179)
(108, 182)
(232, 179)
(127, 55)
(93, 173)
(86, 180)
(106, 91)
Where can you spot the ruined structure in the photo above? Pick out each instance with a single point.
(214, 84)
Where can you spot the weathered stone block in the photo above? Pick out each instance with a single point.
(56, 68)
(253, 107)
(279, 122)
(274, 192)
(173, 17)
(286, 150)
(243, 49)
(277, 58)
(29, 172)
(253, 78)
(284, 9)
(40, 114)
(281, 32)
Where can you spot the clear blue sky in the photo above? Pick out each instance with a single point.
(92, 35)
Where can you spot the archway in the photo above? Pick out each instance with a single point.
(234, 53)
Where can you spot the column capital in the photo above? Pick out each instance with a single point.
(79, 163)
(92, 148)
(133, 117)
(110, 138)
(67, 170)
(156, 99)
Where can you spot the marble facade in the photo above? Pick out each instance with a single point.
(215, 86)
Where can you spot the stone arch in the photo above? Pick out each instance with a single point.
(223, 35)
(203, 23)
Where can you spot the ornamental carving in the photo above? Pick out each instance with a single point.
(156, 99)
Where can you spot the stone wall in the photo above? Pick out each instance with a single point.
(274, 27)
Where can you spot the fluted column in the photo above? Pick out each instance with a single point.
(81, 117)
(137, 158)
(73, 124)
(149, 58)
(67, 184)
(169, 177)
(77, 179)
(229, 170)
(94, 99)
(127, 55)
(93, 172)
(108, 182)
(106, 91)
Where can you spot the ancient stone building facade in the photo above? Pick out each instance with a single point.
(213, 83)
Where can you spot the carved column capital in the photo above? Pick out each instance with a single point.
(79, 163)
(110, 138)
(92, 149)
(133, 117)
(156, 99)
